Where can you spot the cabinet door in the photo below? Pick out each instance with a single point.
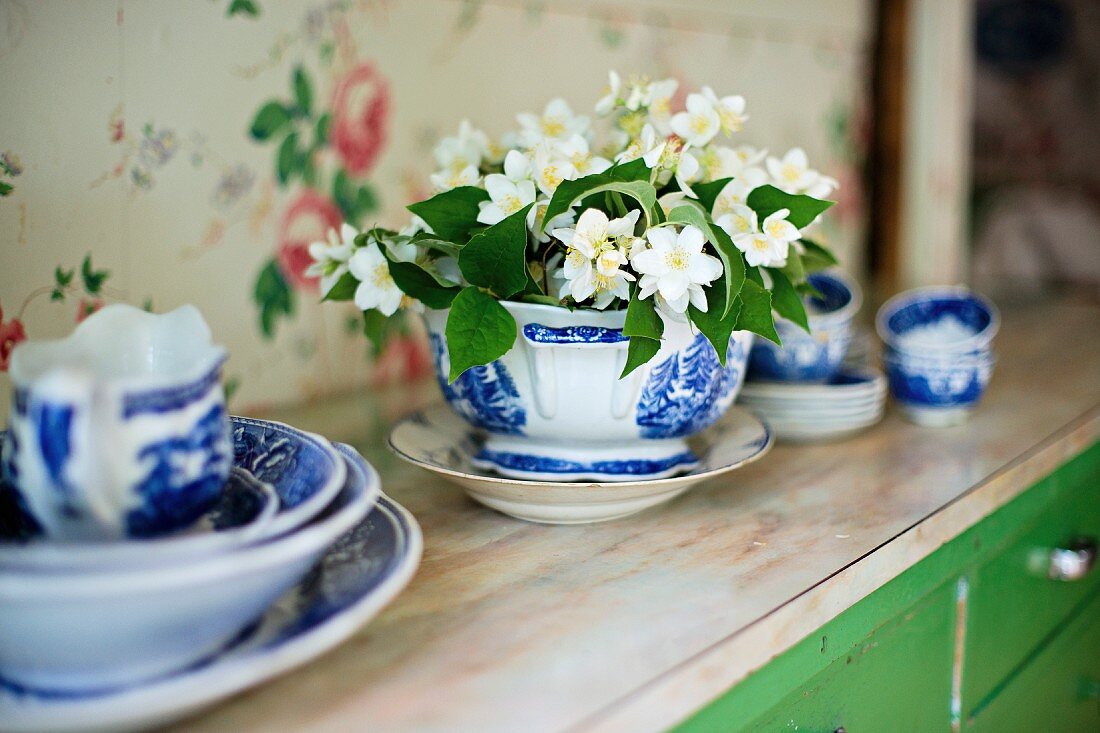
(1015, 606)
(897, 679)
(1059, 690)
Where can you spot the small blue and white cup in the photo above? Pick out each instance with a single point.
(818, 355)
(938, 352)
(119, 430)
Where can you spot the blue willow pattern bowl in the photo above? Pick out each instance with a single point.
(935, 391)
(814, 356)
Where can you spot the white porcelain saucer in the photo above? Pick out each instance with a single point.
(357, 576)
(850, 403)
(438, 440)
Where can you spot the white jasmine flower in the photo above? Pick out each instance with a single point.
(699, 124)
(766, 245)
(415, 226)
(466, 148)
(557, 122)
(658, 100)
(731, 110)
(596, 251)
(824, 187)
(449, 178)
(737, 191)
(376, 288)
(575, 149)
(671, 200)
(610, 99)
(330, 258)
(737, 219)
(792, 173)
(648, 146)
(551, 168)
(687, 171)
(749, 156)
(675, 267)
(538, 212)
(517, 166)
(506, 197)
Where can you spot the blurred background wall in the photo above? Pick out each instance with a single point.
(135, 131)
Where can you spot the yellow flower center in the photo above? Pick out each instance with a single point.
(699, 124)
(660, 106)
(550, 177)
(760, 243)
(511, 204)
(775, 229)
(632, 123)
(677, 259)
(730, 121)
(791, 172)
(741, 223)
(552, 126)
(380, 276)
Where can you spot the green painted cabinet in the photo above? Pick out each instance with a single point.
(976, 637)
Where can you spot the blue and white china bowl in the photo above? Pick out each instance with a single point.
(938, 320)
(80, 632)
(814, 356)
(554, 408)
(938, 391)
(358, 575)
(120, 429)
(439, 441)
(299, 472)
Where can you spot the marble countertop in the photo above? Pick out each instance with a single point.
(632, 625)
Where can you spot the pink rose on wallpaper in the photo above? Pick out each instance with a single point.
(11, 333)
(307, 220)
(87, 307)
(360, 118)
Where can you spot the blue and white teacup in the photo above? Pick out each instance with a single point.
(938, 320)
(119, 430)
(938, 390)
(814, 356)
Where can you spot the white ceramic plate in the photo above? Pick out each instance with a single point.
(358, 575)
(438, 440)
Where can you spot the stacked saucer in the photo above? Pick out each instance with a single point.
(157, 555)
(851, 401)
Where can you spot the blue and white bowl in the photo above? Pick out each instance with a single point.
(80, 631)
(938, 320)
(814, 356)
(555, 409)
(938, 391)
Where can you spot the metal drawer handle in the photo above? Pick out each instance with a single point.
(1073, 562)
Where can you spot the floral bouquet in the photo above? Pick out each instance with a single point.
(657, 217)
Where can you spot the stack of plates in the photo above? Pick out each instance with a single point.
(851, 401)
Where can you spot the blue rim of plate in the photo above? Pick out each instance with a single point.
(361, 572)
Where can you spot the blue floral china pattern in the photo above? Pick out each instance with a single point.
(814, 356)
(934, 383)
(554, 407)
(925, 307)
(362, 571)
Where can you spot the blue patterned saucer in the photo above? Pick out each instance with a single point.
(357, 576)
(304, 471)
(438, 440)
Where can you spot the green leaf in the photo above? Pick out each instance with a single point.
(708, 192)
(303, 92)
(376, 328)
(733, 262)
(416, 282)
(766, 200)
(794, 269)
(639, 351)
(786, 300)
(756, 312)
(634, 170)
(439, 245)
(320, 131)
(5, 188)
(93, 279)
(642, 318)
(287, 162)
(452, 214)
(717, 328)
(569, 193)
(815, 257)
(274, 297)
(495, 257)
(479, 331)
(539, 298)
(63, 277)
(753, 273)
(270, 119)
(247, 8)
(342, 289)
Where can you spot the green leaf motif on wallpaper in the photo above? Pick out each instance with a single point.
(287, 161)
(5, 188)
(274, 297)
(479, 331)
(92, 278)
(247, 8)
(355, 200)
(303, 92)
(271, 118)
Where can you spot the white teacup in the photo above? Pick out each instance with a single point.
(119, 430)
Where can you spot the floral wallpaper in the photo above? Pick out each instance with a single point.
(160, 153)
